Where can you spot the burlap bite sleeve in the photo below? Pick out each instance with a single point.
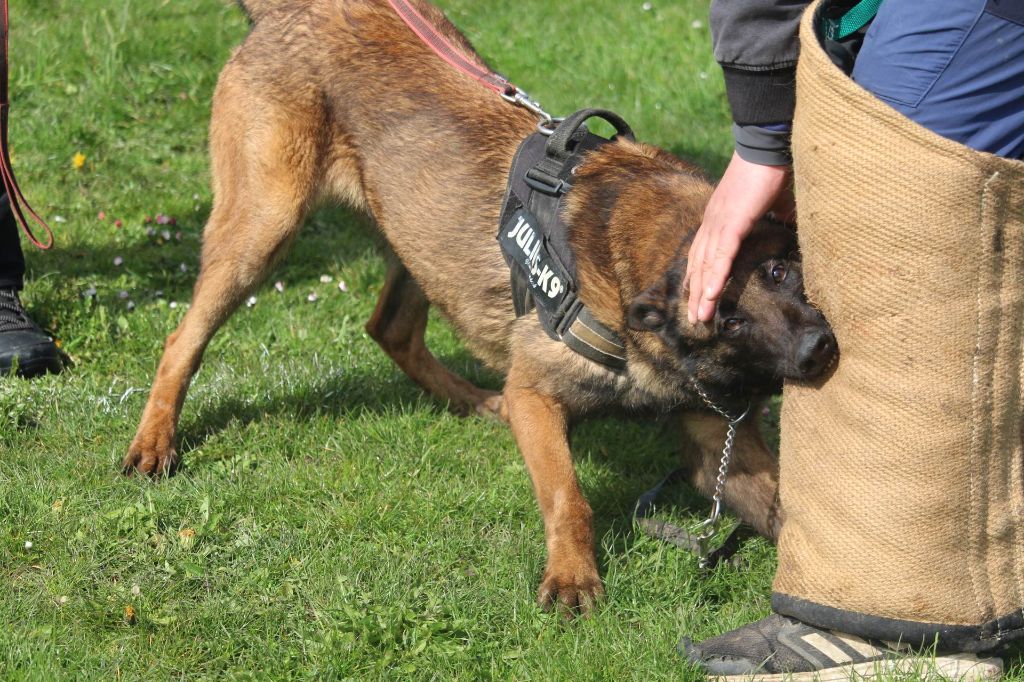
(902, 474)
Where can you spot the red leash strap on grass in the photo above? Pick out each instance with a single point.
(444, 49)
(19, 205)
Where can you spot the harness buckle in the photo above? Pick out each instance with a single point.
(542, 182)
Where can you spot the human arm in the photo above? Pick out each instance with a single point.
(755, 43)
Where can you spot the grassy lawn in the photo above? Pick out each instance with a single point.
(330, 521)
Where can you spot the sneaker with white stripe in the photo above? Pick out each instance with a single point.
(780, 648)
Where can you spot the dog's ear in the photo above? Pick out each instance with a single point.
(649, 312)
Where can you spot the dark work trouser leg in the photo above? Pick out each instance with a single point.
(12, 260)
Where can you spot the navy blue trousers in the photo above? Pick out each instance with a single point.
(956, 67)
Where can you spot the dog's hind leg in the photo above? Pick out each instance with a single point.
(264, 169)
(398, 325)
(752, 486)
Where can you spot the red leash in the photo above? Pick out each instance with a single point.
(444, 49)
(19, 205)
(469, 64)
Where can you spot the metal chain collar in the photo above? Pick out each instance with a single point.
(707, 529)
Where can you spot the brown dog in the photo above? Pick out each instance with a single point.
(337, 100)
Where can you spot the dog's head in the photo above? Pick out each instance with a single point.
(764, 330)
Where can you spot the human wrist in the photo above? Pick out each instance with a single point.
(749, 190)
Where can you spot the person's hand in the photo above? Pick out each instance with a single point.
(746, 193)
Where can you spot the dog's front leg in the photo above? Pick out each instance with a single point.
(752, 485)
(541, 427)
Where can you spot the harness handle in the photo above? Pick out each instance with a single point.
(559, 143)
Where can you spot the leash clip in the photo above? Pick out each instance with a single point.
(547, 123)
(705, 532)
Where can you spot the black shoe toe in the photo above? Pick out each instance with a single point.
(31, 351)
(716, 664)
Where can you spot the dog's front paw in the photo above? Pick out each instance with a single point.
(573, 591)
(150, 457)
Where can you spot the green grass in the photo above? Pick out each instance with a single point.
(331, 521)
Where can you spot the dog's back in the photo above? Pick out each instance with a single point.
(344, 102)
(256, 9)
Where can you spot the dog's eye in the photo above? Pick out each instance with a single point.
(733, 323)
(779, 272)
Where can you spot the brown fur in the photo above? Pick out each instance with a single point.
(336, 100)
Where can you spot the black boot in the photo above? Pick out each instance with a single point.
(779, 648)
(22, 343)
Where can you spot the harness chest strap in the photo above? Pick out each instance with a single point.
(535, 241)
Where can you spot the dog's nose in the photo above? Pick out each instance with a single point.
(816, 350)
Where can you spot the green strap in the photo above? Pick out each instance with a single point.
(854, 20)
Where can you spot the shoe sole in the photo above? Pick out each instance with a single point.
(965, 667)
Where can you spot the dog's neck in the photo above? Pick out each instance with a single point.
(631, 213)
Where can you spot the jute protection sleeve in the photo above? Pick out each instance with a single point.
(902, 473)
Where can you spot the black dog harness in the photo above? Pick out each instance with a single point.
(535, 241)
